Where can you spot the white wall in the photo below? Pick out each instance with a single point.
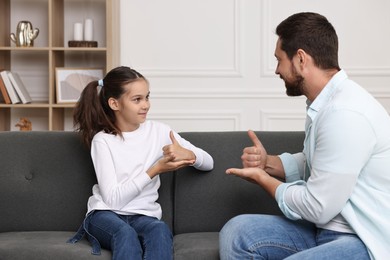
(211, 64)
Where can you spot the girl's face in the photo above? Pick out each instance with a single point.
(132, 107)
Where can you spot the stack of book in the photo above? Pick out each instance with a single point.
(12, 89)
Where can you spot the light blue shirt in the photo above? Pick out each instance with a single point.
(341, 180)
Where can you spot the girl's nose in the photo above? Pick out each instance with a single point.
(146, 105)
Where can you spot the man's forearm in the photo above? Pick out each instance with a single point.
(274, 167)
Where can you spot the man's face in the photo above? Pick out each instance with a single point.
(287, 71)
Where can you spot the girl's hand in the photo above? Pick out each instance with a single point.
(176, 151)
(174, 157)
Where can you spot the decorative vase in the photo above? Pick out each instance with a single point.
(25, 34)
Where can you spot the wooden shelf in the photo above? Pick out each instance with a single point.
(30, 105)
(37, 64)
(24, 48)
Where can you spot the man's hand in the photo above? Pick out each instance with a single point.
(256, 155)
(254, 160)
(252, 174)
(257, 176)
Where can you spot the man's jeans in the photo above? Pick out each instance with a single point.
(131, 237)
(276, 237)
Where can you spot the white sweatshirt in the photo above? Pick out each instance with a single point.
(123, 185)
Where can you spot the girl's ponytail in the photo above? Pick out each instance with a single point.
(88, 112)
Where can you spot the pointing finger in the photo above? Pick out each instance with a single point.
(254, 139)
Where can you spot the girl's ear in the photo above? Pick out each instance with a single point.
(113, 103)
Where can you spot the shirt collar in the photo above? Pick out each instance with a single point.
(325, 95)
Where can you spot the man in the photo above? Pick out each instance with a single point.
(335, 198)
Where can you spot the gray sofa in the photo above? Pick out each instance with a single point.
(46, 179)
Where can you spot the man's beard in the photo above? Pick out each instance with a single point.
(296, 87)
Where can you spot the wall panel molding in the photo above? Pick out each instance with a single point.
(272, 118)
(218, 93)
(228, 70)
(266, 93)
(207, 121)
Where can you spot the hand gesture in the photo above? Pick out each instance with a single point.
(167, 163)
(256, 155)
(257, 176)
(176, 151)
(252, 174)
(174, 157)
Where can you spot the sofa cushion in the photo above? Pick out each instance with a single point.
(45, 245)
(196, 246)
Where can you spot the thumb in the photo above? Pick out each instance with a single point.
(173, 139)
(254, 139)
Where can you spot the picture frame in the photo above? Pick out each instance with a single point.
(70, 82)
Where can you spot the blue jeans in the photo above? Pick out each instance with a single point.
(276, 237)
(131, 237)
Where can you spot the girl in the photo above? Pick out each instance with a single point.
(129, 153)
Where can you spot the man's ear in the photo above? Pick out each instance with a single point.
(301, 56)
(113, 103)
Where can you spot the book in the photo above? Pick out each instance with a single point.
(19, 87)
(10, 89)
(4, 92)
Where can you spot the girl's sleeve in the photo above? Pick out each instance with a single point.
(204, 161)
(115, 194)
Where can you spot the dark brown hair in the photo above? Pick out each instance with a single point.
(92, 113)
(312, 33)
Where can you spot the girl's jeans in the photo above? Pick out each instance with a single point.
(131, 237)
(276, 237)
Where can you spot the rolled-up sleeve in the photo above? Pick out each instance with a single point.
(280, 195)
(293, 165)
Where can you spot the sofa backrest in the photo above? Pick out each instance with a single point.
(47, 177)
(45, 181)
(204, 202)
